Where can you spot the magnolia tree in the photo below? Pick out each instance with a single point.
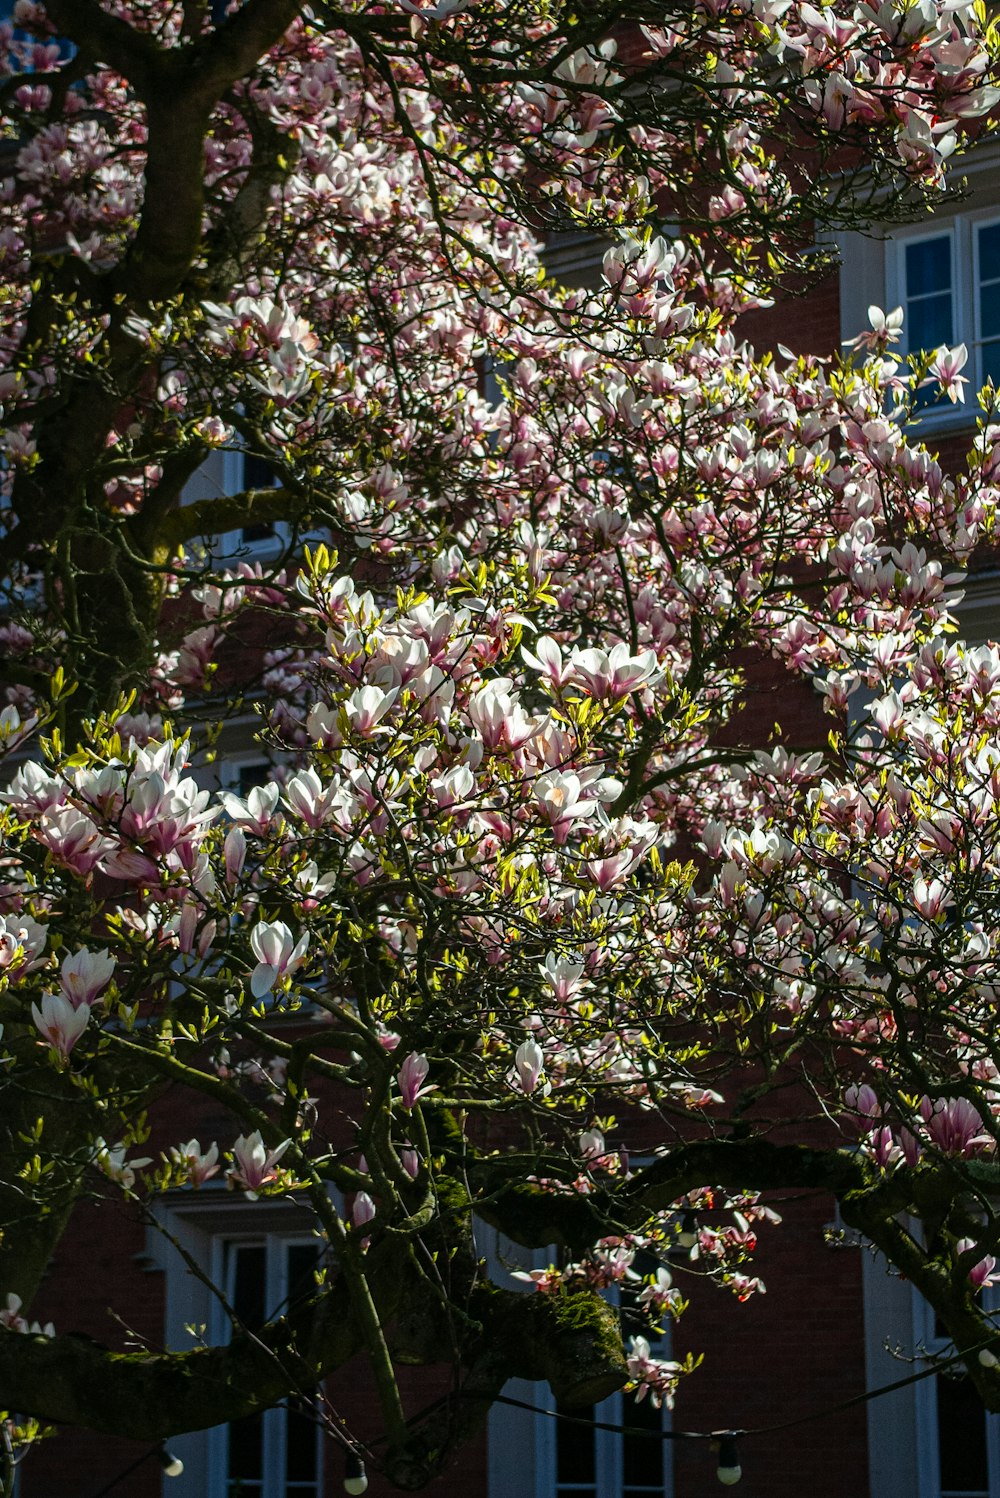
(507, 908)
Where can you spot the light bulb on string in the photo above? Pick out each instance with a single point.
(729, 1472)
(355, 1476)
(687, 1235)
(171, 1464)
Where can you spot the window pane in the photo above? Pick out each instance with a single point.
(246, 1453)
(250, 775)
(990, 363)
(300, 1443)
(301, 1430)
(928, 266)
(929, 322)
(961, 1439)
(642, 1456)
(989, 309)
(575, 1461)
(248, 1284)
(253, 535)
(258, 473)
(989, 252)
(302, 1261)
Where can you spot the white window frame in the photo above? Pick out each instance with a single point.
(532, 1473)
(903, 1450)
(927, 1431)
(275, 1246)
(609, 1479)
(201, 1223)
(234, 543)
(962, 233)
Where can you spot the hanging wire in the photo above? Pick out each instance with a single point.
(734, 1431)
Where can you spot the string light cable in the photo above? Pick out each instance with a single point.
(171, 1464)
(729, 1471)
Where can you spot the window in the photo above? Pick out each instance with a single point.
(275, 1454)
(577, 1462)
(262, 1255)
(959, 1441)
(947, 280)
(532, 1455)
(931, 1439)
(250, 471)
(241, 774)
(595, 1463)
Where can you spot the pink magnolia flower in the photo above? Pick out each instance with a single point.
(499, 718)
(884, 1148)
(85, 974)
(10, 942)
(257, 813)
(745, 1285)
(307, 797)
(363, 1210)
(564, 978)
(930, 896)
(886, 327)
(60, 1022)
(198, 1167)
(945, 367)
(33, 790)
(980, 1274)
(545, 1281)
(955, 1126)
(910, 1147)
(863, 1107)
(528, 1063)
(234, 851)
(562, 801)
(432, 11)
(454, 787)
(110, 1161)
(411, 1079)
(608, 872)
(73, 839)
(547, 658)
(608, 675)
(278, 955)
(11, 1317)
(660, 1295)
(366, 707)
(652, 1376)
(253, 1164)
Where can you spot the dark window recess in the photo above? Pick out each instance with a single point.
(962, 1439)
(576, 1456)
(930, 312)
(642, 1456)
(245, 1456)
(301, 1435)
(258, 473)
(274, 1454)
(250, 775)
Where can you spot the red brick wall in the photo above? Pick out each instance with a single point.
(798, 1349)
